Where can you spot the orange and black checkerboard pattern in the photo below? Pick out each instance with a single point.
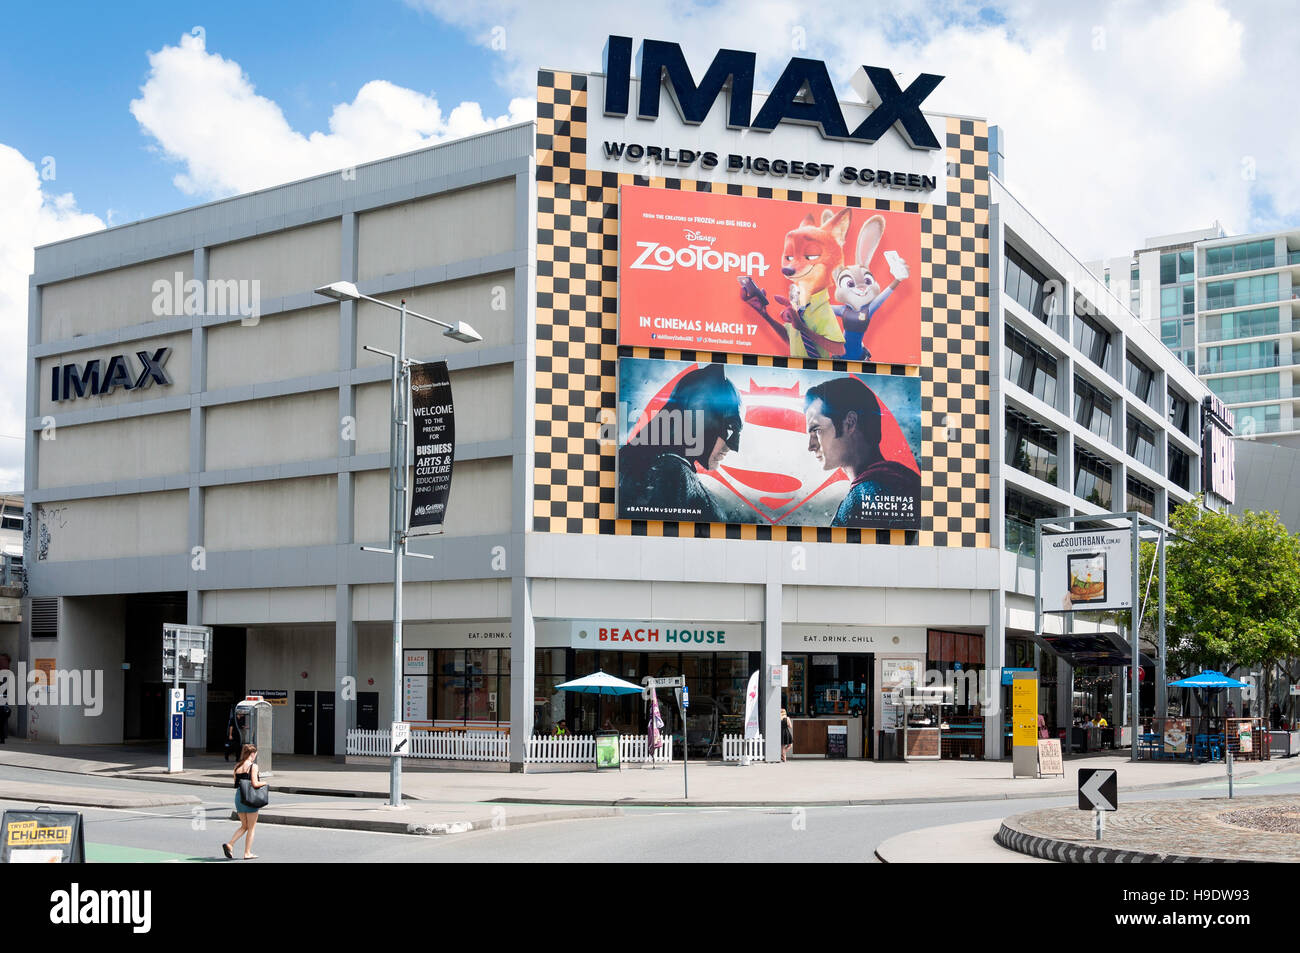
(578, 351)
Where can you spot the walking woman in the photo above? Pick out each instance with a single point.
(245, 770)
(787, 736)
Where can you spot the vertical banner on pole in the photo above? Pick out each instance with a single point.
(434, 432)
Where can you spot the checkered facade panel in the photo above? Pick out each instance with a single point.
(575, 426)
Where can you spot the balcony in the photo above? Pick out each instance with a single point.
(1250, 426)
(1251, 264)
(1022, 539)
(1230, 302)
(1232, 365)
(1209, 336)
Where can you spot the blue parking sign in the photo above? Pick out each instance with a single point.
(189, 706)
(178, 727)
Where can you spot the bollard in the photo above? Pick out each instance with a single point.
(1230, 774)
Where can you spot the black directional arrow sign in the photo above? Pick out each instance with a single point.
(1098, 790)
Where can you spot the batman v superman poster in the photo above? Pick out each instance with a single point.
(770, 445)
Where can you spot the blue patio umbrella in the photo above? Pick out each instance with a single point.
(1208, 679)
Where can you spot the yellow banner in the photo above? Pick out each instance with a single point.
(1024, 713)
(28, 833)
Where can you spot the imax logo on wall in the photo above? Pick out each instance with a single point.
(73, 380)
(803, 94)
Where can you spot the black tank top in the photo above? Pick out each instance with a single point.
(243, 776)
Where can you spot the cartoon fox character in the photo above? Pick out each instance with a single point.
(812, 252)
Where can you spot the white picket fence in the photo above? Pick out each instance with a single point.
(549, 749)
(495, 746)
(736, 748)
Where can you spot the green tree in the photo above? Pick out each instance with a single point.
(1232, 593)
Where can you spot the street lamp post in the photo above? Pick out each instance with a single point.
(401, 423)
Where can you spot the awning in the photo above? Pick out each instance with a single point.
(1101, 649)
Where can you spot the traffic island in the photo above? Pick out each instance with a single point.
(1260, 829)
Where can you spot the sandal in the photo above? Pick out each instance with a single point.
(250, 857)
(225, 849)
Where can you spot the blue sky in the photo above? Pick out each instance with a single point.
(304, 56)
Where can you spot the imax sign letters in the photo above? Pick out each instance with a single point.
(73, 380)
(803, 94)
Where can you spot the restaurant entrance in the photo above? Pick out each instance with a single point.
(826, 691)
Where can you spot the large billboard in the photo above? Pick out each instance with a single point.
(705, 272)
(1087, 570)
(724, 443)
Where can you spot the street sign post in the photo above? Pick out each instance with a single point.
(683, 703)
(401, 738)
(187, 656)
(1098, 792)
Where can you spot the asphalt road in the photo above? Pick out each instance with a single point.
(837, 834)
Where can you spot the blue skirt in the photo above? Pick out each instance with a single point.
(240, 806)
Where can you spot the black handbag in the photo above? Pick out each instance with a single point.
(256, 798)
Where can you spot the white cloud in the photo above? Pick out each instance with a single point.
(204, 112)
(32, 217)
(1124, 119)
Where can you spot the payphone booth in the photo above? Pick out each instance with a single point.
(253, 715)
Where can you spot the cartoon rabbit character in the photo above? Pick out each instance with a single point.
(857, 290)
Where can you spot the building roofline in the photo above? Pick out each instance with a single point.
(190, 209)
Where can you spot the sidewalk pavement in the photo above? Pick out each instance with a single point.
(463, 798)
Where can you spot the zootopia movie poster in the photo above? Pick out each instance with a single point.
(723, 443)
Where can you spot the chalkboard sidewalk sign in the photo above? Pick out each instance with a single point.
(837, 741)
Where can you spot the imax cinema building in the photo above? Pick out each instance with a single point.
(765, 381)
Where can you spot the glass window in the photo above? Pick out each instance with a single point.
(1030, 367)
(1140, 378)
(1186, 265)
(1024, 283)
(1092, 339)
(1180, 413)
(1180, 468)
(1141, 442)
(1031, 447)
(1141, 498)
(1092, 479)
(1092, 408)
(1169, 268)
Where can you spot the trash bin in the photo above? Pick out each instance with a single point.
(253, 715)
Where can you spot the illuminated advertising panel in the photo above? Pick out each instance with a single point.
(721, 443)
(706, 272)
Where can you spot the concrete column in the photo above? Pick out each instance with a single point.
(995, 649)
(772, 611)
(523, 665)
(345, 670)
(196, 728)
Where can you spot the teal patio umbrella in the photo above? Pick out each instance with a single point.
(600, 684)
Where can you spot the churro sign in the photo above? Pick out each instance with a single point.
(706, 272)
(1087, 570)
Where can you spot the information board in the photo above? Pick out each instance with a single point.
(837, 741)
(1050, 762)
